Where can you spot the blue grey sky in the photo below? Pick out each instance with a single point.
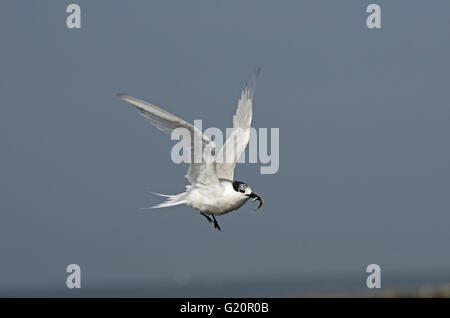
(364, 139)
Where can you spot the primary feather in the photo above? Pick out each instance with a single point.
(239, 138)
(200, 171)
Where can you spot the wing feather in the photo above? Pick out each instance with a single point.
(235, 145)
(200, 171)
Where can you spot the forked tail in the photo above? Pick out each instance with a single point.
(171, 200)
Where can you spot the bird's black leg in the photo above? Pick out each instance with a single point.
(216, 225)
(207, 217)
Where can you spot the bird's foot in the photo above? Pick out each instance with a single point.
(216, 225)
(207, 217)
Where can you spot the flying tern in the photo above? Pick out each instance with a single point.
(213, 190)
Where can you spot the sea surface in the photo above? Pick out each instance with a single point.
(296, 286)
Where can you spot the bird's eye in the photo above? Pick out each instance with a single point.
(242, 191)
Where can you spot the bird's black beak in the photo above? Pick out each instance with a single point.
(255, 197)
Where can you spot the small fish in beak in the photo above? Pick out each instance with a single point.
(255, 197)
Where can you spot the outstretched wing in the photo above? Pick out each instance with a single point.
(235, 145)
(200, 171)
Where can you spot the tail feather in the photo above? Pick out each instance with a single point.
(171, 200)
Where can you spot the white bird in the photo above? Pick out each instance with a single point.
(212, 190)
